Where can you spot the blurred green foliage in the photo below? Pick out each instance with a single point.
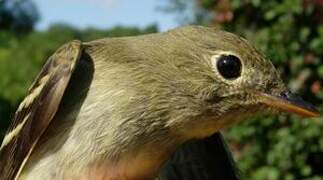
(290, 33)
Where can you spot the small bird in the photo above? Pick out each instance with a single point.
(119, 108)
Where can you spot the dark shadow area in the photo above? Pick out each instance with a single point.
(206, 159)
(315, 160)
(73, 98)
(6, 111)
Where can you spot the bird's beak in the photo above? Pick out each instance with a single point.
(289, 102)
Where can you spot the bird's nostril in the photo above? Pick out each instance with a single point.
(285, 94)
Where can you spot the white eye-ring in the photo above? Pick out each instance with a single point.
(228, 65)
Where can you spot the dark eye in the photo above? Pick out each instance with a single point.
(229, 66)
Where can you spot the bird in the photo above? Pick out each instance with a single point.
(131, 108)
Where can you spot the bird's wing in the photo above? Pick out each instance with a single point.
(37, 110)
(206, 159)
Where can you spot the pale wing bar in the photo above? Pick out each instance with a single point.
(37, 110)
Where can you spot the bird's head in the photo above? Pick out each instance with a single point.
(228, 79)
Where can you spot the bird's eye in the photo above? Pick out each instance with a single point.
(229, 66)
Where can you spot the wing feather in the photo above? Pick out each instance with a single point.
(36, 111)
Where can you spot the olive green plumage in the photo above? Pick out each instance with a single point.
(132, 101)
